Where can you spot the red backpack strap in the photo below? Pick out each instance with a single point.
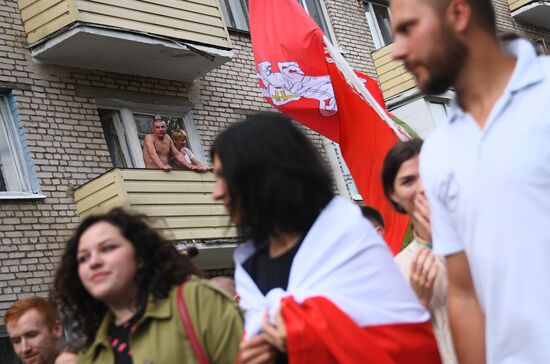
(188, 327)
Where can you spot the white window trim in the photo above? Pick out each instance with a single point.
(193, 137)
(230, 11)
(444, 102)
(331, 35)
(374, 27)
(415, 95)
(132, 139)
(22, 168)
(132, 150)
(335, 166)
(345, 185)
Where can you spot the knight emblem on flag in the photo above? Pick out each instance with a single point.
(291, 84)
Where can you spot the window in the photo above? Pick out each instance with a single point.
(15, 171)
(315, 9)
(235, 13)
(7, 355)
(423, 114)
(378, 18)
(125, 131)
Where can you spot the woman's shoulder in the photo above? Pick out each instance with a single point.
(90, 352)
(210, 304)
(203, 293)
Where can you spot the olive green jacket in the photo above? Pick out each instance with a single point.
(159, 337)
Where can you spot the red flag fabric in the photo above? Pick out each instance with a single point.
(310, 337)
(365, 140)
(299, 79)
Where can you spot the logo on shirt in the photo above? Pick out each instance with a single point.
(448, 191)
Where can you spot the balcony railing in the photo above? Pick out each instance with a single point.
(394, 78)
(179, 202)
(173, 39)
(534, 12)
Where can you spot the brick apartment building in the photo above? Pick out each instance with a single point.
(81, 80)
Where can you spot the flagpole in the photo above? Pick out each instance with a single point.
(352, 79)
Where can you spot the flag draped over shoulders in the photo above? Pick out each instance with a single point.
(319, 332)
(345, 297)
(303, 76)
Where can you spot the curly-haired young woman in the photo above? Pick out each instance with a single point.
(119, 281)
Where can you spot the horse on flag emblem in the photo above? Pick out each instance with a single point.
(291, 84)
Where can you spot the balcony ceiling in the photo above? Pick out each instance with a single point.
(112, 50)
(536, 13)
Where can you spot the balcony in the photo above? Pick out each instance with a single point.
(168, 39)
(534, 12)
(394, 78)
(179, 204)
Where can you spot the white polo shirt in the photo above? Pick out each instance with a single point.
(489, 193)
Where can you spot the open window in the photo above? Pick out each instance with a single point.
(235, 13)
(16, 170)
(125, 131)
(316, 10)
(378, 18)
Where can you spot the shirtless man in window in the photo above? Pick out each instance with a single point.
(158, 148)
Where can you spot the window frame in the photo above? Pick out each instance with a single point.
(6, 342)
(329, 32)
(130, 144)
(348, 178)
(227, 8)
(22, 169)
(229, 17)
(374, 26)
(542, 45)
(415, 95)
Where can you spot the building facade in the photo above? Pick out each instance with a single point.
(80, 86)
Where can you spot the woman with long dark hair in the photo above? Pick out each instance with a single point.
(425, 272)
(316, 282)
(123, 285)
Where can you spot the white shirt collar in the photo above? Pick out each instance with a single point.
(527, 72)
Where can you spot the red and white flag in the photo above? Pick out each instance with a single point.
(346, 301)
(303, 76)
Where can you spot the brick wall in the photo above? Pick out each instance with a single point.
(506, 23)
(229, 92)
(65, 139)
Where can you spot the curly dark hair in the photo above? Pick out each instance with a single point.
(163, 266)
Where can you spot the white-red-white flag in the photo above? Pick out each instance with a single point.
(304, 77)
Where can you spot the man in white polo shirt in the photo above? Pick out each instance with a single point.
(486, 172)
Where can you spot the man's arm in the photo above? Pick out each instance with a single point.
(150, 146)
(465, 315)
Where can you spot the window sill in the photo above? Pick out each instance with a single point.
(21, 196)
(238, 31)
